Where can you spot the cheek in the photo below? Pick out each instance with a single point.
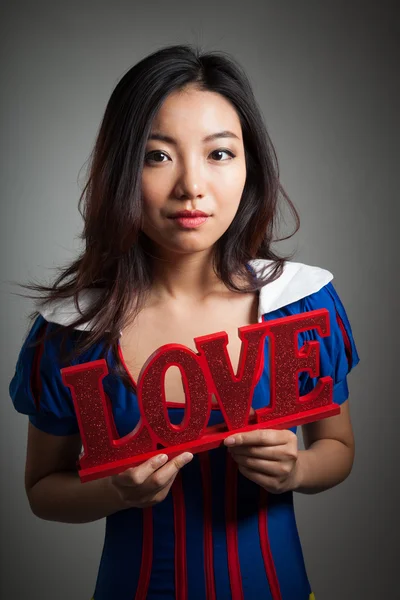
(154, 189)
(234, 179)
(152, 203)
(230, 192)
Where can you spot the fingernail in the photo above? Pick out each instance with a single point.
(230, 441)
(186, 457)
(161, 458)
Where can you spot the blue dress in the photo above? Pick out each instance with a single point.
(217, 535)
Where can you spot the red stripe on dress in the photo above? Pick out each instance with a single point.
(235, 577)
(180, 539)
(147, 555)
(346, 339)
(35, 380)
(266, 548)
(204, 459)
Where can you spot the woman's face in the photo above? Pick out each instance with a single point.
(188, 172)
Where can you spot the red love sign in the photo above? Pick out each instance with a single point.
(204, 373)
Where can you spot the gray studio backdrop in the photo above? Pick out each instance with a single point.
(325, 75)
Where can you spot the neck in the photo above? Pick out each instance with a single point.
(184, 277)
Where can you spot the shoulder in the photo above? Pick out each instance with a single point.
(302, 288)
(297, 281)
(37, 388)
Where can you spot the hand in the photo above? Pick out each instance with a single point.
(148, 483)
(269, 457)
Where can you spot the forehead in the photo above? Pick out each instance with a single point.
(196, 110)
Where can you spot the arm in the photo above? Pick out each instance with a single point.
(56, 493)
(53, 486)
(54, 489)
(329, 454)
(271, 458)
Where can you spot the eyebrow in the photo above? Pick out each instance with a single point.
(170, 140)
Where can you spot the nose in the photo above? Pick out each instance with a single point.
(191, 183)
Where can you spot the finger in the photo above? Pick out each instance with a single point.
(167, 486)
(158, 493)
(138, 475)
(264, 467)
(263, 452)
(169, 471)
(268, 483)
(260, 437)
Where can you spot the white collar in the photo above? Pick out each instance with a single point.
(297, 281)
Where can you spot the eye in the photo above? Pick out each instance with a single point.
(222, 151)
(155, 153)
(149, 158)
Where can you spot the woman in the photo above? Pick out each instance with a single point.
(181, 206)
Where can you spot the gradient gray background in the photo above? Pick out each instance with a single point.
(326, 78)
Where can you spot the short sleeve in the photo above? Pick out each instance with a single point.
(338, 352)
(37, 389)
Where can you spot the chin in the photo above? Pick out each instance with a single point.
(186, 242)
(185, 246)
(189, 248)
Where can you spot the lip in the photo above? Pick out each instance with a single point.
(190, 222)
(189, 214)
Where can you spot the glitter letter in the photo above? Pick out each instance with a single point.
(96, 423)
(234, 392)
(286, 361)
(152, 401)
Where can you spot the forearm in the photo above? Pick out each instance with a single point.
(323, 465)
(63, 497)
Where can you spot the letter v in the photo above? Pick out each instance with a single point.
(234, 392)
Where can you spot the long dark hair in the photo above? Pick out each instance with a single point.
(117, 257)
